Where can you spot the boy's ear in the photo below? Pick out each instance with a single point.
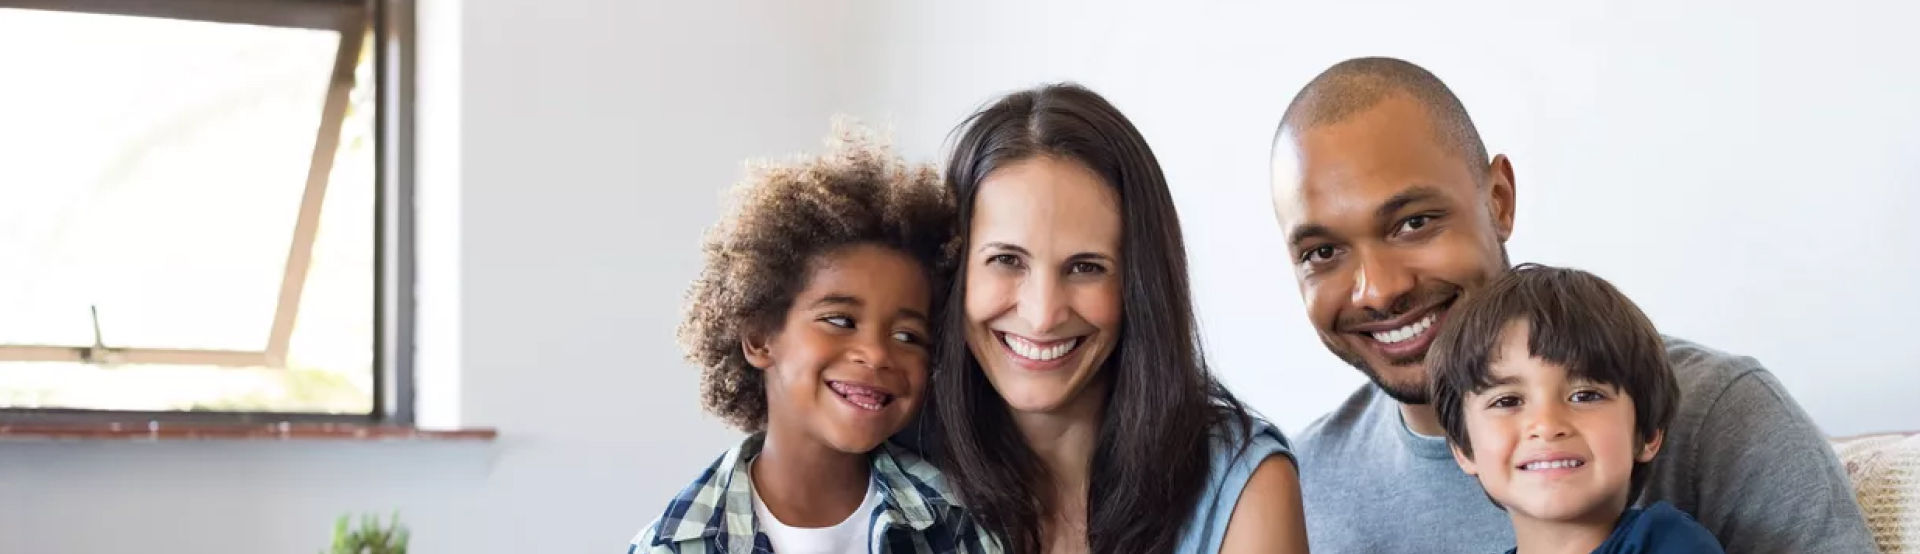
(754, 346)
(1462, 459)
(1652, 447)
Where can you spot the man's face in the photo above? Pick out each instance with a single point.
(1387, 227)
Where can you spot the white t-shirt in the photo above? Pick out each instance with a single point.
(850, 535)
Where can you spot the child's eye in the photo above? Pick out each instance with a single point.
(1504, 401)
(1587, 396)
(908, 337)
(840, 321)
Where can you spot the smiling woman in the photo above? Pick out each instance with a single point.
(1075, 408)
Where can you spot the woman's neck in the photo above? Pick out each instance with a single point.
(805, 483)
(1064, 439)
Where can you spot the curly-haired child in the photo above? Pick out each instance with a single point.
(810, 324)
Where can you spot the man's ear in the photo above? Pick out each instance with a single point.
(1500, 196)
(754, 346)
(1462, 459)
(1652, 447)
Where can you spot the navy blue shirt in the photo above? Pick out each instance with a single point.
(1657, 529)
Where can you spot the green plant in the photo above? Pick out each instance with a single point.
(370, 537)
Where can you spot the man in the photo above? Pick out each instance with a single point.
(1392, 210)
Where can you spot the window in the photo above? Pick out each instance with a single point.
(203, 210)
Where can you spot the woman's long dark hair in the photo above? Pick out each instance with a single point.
(1152, 456)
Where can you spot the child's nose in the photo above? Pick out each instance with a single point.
(1548, 422)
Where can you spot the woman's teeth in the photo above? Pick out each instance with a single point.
(1410, 331)
(1035, 351)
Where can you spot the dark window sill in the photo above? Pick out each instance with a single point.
(198, 431)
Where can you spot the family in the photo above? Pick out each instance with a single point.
(1003, 357)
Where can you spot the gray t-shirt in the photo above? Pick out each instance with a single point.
(1740, 456)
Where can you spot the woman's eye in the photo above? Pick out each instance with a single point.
(1505, 402)
(1086, 268)
(1008, 260)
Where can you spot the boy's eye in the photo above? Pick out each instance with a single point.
(1587, 396)
(1504, 401)
(840, 321)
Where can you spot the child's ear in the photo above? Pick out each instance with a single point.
(754, 346)
(1461, 458)
(1652, 447)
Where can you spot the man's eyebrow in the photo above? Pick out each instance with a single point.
(1303, 232)
(1394, 204)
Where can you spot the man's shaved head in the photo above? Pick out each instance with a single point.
(1353, 86)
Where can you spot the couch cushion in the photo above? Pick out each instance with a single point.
(1885, 470)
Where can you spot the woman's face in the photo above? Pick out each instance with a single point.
(1043, 280)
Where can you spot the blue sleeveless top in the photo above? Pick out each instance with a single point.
(1231, 468)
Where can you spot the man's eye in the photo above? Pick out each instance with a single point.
(1320, 254)
(1414, 223)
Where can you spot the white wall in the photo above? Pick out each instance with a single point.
(1740, 169)
(1743, 170)
(588, 149)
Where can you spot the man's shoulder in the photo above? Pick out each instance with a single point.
(1699, 367)
(1713, 381)
(1342, 426)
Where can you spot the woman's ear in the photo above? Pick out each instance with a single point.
(1652, 447)
(754, 346)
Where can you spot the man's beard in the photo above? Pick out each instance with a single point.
(1402, 392)
(1436, 295)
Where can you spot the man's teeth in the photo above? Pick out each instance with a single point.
(1029, 350)
(1553, 464)
(1410, 331)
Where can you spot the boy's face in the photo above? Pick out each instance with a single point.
(848, 364)
(1548, 446)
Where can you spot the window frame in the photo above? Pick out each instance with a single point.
(391, 23)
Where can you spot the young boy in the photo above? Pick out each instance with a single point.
(1555, 392)
(810, 324)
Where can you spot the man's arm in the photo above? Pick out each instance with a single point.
(1766, 478)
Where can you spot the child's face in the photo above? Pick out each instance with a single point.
(847, 367)
(1547, 446)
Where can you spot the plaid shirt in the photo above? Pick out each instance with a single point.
(714, 514)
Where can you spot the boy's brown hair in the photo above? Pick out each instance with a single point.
(782, 219)
(1574, 319)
